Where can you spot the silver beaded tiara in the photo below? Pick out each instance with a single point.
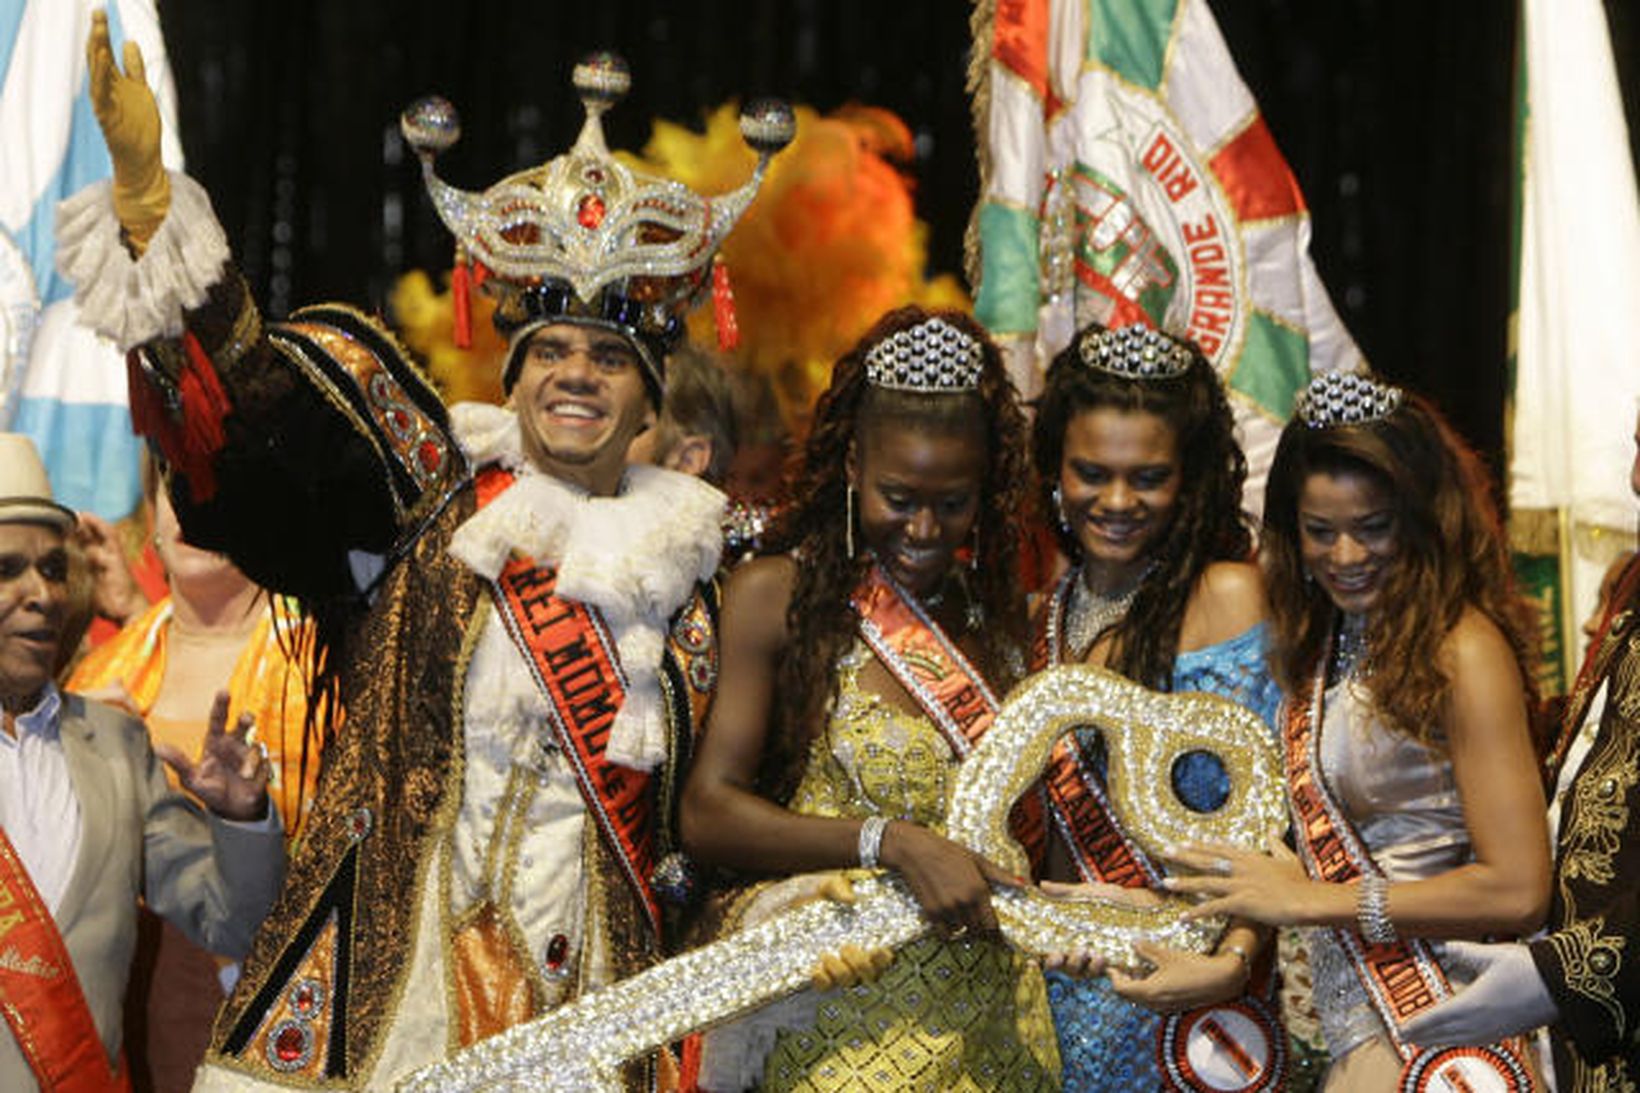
(1134, 352)
(1345, 398)
(931, 356)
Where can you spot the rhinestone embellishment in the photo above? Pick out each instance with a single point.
(931, 356)
(290, 1045)
(307, 999)
(1134, 352)
(584, 217)
(1345, 398)
(556, 961)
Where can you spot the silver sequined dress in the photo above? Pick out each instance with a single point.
(1403, 802)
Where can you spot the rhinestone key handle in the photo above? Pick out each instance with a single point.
(583, 1045)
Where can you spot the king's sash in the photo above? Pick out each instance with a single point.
(40, 993)
(1402, 978)
(574, 663)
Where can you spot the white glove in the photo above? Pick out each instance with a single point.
(1508, 997)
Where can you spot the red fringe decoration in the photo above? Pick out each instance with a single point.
(461, 292)
(723, 307)
(148, 416)
(204, 406)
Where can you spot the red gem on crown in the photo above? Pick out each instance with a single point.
(590, 212)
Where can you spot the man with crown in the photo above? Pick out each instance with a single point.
(505, 609)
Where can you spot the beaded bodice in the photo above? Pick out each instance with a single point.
(874, 758)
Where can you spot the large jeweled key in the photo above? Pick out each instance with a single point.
(582, 1046)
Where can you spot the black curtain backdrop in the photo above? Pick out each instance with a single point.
(1395, 116)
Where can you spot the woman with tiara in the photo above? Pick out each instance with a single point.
(1136, 454)
(860, 663)
(1402, 648)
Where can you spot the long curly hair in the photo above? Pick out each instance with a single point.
(1207, 525)
(813, 528)
(1451, 556)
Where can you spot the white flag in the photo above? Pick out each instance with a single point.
(1577, 361)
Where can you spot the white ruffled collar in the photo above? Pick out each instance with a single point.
(636, 556)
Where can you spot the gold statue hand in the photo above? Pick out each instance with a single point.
(129, 118)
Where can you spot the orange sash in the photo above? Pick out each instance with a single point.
(947, 688)
(925, 662)
(1078, 805)
(40, 993)
(1402, 978)
(573, 660)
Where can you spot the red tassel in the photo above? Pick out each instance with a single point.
(723, 307)
(204, 406)
(148, 416)
(461, 290)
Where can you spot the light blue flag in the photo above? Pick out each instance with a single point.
(60, 383)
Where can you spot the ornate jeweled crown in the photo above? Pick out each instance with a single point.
(1134, 352)
(584, 237)
(1345, 398)
(932, 356)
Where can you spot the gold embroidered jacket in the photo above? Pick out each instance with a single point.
(334, 449)
(1590, 959)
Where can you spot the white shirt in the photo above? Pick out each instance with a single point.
(38, 808)
(1575, 756)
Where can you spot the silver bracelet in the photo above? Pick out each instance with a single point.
(871, 840)
(1372, 910)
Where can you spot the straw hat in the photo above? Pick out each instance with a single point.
(25, 492)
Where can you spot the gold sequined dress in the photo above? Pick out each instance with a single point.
(945, 1015)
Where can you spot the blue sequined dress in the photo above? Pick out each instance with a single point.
(1106, 1042)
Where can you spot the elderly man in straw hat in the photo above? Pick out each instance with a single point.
(88, 823)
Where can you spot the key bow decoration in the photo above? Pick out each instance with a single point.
(582, 1045)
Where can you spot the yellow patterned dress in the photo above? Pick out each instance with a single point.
(945, 1015)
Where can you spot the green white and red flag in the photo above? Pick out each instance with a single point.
(1127, 176)
(1574, 356)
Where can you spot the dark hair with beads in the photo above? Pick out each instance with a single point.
(1208, 524)
(814, 529)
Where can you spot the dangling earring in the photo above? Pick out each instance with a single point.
(1059, 509)
(848, 519)
(973, 555)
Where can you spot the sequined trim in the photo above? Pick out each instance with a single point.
(1596, 828)
(417, 443)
